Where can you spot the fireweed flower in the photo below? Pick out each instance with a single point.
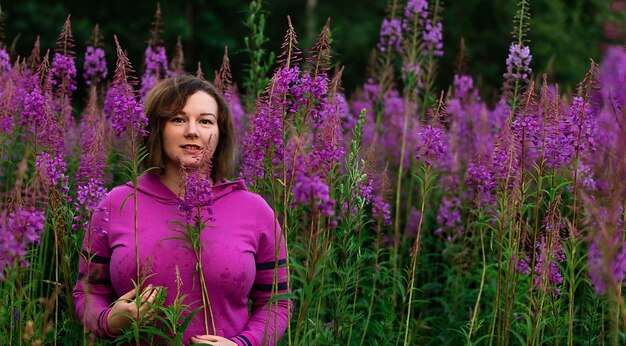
(521, 265)
(90, 194)
(307, 189)
(366, 190)
(236, 108)
(370, 192)
(480, 177)
(390, 35)
(584, 119)
(504, 161)
(343, 109)
(128, 113)
(156, 68)
(37, 118)
(416, 8)
(449, 217)
(327, 148)
(93, 157)
(463, 87)
(371, 89)
(5, 62)
(18, 230)
(471, 132)
(33, 115)
(287, 80)
(381, 208)
(311, 90)
(63, 73)
(585, 177)
(433, 39)
(391, 128)
(615, 255)
(52, 168)
(527, 126)
(499, 116)
(431, 145)
(412, 73)
(613, 77)
(547, 271)
(560, 143)
(412, 224)
(95, 65)
(13, 92)
(197, 195)
(264, 139)
(518, 62)
(393, 107)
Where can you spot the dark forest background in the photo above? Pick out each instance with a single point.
(564, 34)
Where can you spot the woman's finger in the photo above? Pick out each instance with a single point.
(210, 338)
(128, 295)
(149, 299)
(145, 294)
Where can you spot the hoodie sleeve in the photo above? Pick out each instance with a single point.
(268, 320)
(93, 293)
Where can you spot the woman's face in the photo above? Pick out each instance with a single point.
(190, 138)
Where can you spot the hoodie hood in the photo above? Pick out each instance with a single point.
(151, 185)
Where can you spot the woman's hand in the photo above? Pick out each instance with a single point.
(212, 340)
(124, 311)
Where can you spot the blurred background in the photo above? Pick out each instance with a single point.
(564, 34)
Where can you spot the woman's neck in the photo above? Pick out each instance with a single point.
(173, 180)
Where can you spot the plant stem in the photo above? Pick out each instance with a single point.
(415, 250)
(480, 289)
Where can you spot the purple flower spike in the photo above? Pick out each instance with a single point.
(17, 231)
(128, 114)
(313, 189)
(52, 168)
(518, 62)
(197, 195)
(156, 68)
(5, 63)
(416, 8)
(390, 35)
(95, 65)
(432, 144)
(63, 73)
(433, 37)
(90, 194)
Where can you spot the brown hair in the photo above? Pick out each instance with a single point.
(166, 100)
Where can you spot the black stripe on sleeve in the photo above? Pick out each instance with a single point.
(96, 258)
(95, 281)
(268, 287)
(100, 327)
(270, 265)
(245, 340)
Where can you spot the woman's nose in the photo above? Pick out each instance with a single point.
(191, 131)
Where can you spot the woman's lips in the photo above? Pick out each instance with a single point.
(191, 149)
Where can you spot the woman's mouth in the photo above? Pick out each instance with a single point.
(191, 148)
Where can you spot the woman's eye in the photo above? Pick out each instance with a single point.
(206, 122)
(178, 120)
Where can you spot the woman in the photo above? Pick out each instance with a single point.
(242, 249)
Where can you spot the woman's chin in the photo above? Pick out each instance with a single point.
(195, 166)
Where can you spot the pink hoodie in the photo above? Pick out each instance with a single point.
(238, 253)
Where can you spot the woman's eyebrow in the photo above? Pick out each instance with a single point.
(201, 114)
(208, 114)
